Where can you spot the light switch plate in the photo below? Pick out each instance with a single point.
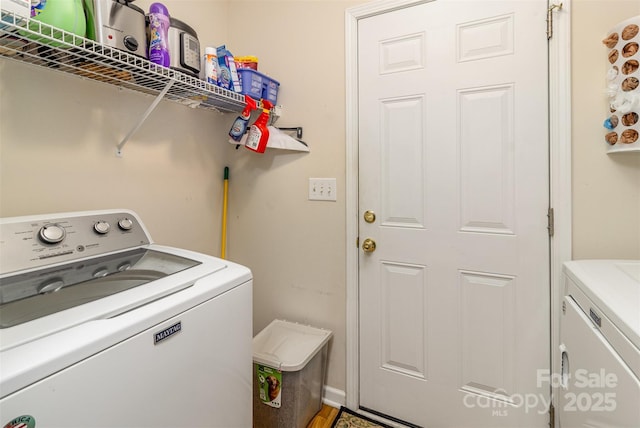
(322, 189)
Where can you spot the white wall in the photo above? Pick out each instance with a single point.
(606, 187)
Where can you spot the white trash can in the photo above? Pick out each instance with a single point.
(289, 370)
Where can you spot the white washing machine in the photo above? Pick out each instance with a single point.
(100, 327)
(600, 345)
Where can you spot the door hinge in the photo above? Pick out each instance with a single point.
(357, 242)
(552, 416)
(550, 19)
(550, 222)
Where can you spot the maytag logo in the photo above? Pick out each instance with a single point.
(167, 333)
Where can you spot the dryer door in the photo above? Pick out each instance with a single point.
(598, 388)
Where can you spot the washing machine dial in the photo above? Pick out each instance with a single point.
(102, 227)
(125, 224)
(52, 233)
(101, 272)
(51, 285)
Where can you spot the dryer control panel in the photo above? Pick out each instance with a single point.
(37, 241)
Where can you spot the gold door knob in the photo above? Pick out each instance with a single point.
(369, 245)
(369, 216)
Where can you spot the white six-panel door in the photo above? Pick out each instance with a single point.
(453, 162)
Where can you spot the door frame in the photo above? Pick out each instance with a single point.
(559, 172)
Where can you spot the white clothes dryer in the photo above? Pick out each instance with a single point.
(600, 345)
(100, 327)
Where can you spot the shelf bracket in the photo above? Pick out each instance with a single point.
(144, 117)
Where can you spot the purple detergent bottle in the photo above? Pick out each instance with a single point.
(159, 34)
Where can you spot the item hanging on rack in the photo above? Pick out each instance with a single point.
(622, 123)
(280, 140)
(240, 124)
(259, 133)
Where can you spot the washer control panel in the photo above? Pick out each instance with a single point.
(36, 241)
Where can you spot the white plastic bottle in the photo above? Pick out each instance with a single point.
(210, 66)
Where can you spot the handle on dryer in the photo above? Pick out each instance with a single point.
(565, 371)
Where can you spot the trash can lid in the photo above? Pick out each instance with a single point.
(288, 346)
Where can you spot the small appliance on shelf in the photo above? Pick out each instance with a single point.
(118, 24)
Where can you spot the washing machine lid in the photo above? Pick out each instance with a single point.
(35, 294)
(613, 286)
(145, 282)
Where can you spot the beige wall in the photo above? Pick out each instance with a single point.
(295, 247)
(58, 136)
(606, 187)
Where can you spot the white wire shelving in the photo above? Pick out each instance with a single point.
(31, 41)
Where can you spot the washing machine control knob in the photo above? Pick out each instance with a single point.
(52, 233)
(125, 224)
(51, 285)
(102, 227)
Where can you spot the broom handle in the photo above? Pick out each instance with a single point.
(223, 244)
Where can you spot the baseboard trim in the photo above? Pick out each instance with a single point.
(334, 397)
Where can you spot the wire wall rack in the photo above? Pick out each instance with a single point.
(34, 42)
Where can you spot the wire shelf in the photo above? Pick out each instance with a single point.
(31, 41)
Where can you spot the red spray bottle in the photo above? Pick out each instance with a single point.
(258, 133)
